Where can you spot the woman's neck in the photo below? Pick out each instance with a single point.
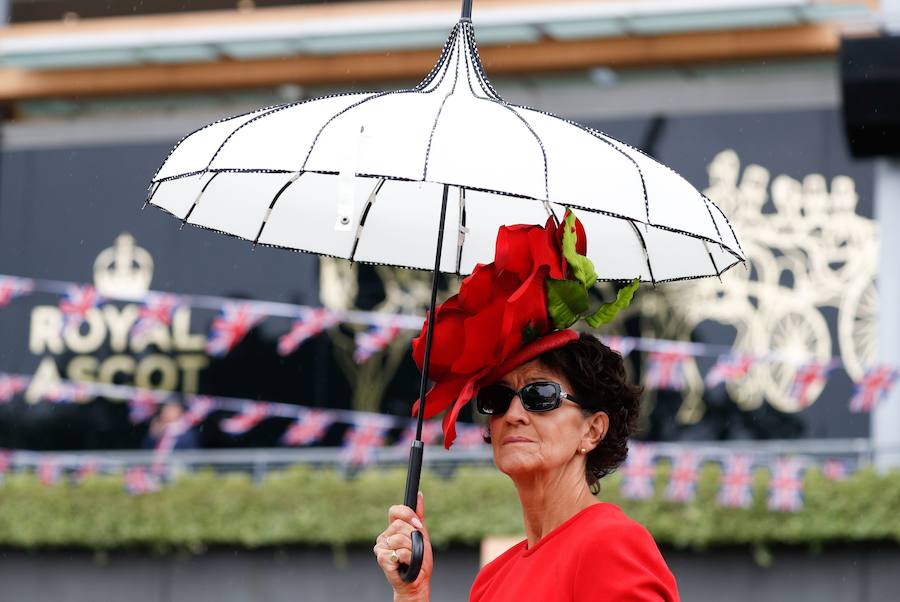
(549, 500)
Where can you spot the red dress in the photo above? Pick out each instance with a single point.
(598, 555)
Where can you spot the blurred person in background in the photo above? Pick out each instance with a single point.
(171, 420)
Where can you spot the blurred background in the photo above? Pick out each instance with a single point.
(184, 419)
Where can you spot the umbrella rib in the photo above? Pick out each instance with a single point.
(462, 229)
(197, 199)
(153, 188)
(438, 116)
(644, 247)
(483, 80)
(362, 220)
(712, 261)
(277, 196)
(415, 90)
(540, 142)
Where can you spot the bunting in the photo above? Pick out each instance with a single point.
(431, 430)
(638, 472)
(48, 470)
(665, 369)
(138, 481)
(683, 480)
(309, 428)
(809, 376)
(76, 302)
(13, 288)
(10, 386)
(621, 345)
(314, 322)
(157, 310)
(728, 368)
(362, 439)
(737, 479)
(469, 436)
(373, 340)
(250, 416)
(835, 469)
(142, 405)
(873, 388)
(786, 485)
(230, 327)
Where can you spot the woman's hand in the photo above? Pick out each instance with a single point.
(402, 521)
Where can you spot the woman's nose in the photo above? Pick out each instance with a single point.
(516, 410)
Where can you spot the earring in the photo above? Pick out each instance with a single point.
(583, 450)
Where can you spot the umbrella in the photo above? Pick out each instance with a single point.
(424, 177)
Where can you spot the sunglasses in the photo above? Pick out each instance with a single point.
(542, 396)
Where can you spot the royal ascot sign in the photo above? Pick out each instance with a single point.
(105, 348)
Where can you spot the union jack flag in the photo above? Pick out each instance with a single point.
(737, 479)
(48, 470)
(786, 486)
(12, 288)
(431, 430)
(230, 327)
(138, 481)
(374, 340)
(198, 408)
(314, 322)
(835, 469)
(621, 345)
(158, 309)
(252, 414)
(665, 370)
(142, 405)
(77, 302)
(362, 439)
(309, 428)
(683, 481)
(638, 472)
(807, 378)
(873, 388)
(728, 368)
(10, 386)
(468, 436)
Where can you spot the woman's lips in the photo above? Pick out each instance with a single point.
(516, 440)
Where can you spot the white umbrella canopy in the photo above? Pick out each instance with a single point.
(362, 176)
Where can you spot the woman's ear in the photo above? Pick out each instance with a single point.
(597, 426)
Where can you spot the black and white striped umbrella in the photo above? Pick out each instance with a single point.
(381, 177)
(362, 175)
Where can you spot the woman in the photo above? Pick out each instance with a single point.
(560, 414)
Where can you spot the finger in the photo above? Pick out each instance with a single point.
(400, 526)
(399, 540)
(404, 513)
(420, 506)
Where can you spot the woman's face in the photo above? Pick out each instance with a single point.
(525, 441)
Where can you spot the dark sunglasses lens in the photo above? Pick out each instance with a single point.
(494, 399)
(540, 397)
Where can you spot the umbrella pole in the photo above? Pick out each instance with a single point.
(414, 471)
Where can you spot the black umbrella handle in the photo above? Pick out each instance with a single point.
(409, 572)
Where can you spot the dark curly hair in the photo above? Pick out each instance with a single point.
(597, 376)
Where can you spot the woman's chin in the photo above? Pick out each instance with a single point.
(514, 462)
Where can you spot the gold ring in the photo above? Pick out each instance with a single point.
(394, 557)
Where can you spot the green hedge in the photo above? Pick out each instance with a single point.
(321, 507)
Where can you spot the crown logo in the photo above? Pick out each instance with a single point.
(123, 270)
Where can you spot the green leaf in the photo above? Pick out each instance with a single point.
(581, 266)
(608, 311)
(566, 301)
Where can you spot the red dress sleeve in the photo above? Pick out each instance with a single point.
(626, 567)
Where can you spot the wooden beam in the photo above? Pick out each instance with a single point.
(625, 52)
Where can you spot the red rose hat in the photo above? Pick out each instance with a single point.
(509, 312)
